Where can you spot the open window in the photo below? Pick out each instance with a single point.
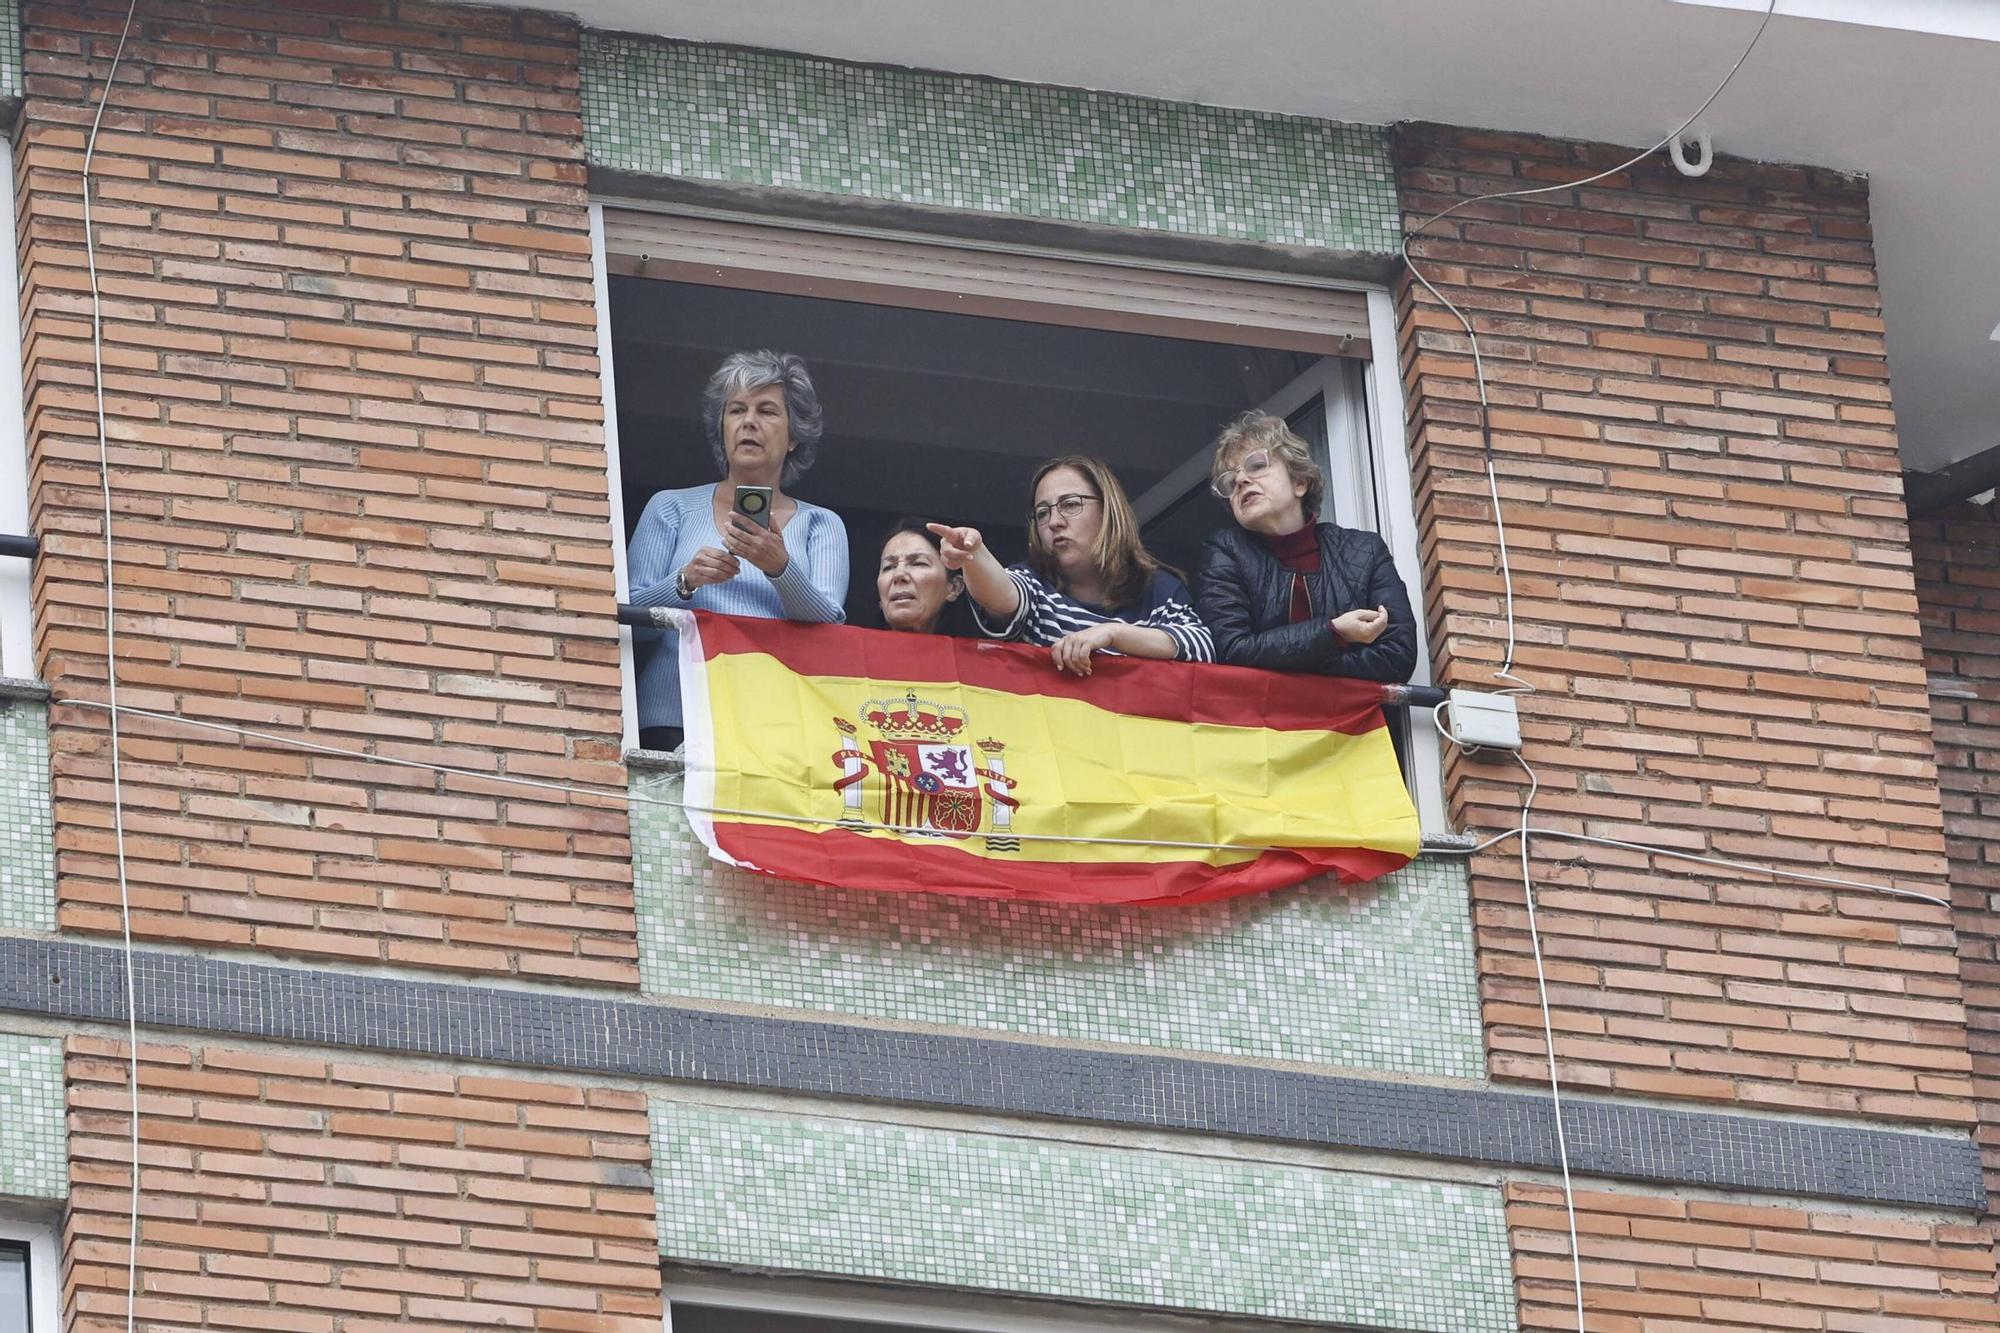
(947, 372)
(30, 1274)
(710, 1301)
(17, 637)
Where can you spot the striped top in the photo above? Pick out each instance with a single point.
(1046, 615)
(675, 525)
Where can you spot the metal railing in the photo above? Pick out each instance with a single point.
(1409, 696)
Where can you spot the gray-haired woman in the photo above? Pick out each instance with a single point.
(693, 548)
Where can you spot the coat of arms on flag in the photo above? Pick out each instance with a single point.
(861, 759)
(930, 779)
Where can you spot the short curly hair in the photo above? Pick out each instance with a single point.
(742, 372)
(1260, 430)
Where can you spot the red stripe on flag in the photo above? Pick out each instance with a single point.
(865, 862)
(1172, 691)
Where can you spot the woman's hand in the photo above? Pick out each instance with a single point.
(958, 547)
(710, 566)
(1072, 651)
(757, 544)
(963, 549)
(1361, 625)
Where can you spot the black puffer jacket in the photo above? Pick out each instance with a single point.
(1245, 596)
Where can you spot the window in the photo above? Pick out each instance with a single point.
(704, 1301)
(17, 646)
(948, 372)
(29, 1279)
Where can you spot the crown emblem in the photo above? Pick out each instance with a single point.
(914, 719)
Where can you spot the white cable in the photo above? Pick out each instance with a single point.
(620, 795)
(1506, 671)
(111, 676)
(1775, 872)
(1549, 1036)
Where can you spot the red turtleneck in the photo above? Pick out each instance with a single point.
(1298, 554)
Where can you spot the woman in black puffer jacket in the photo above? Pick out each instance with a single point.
(1283, 592)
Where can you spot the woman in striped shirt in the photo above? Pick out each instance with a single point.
(1089, 585)
(692, 549)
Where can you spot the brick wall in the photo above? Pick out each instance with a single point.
(287, 1192)
(1657, 1265)
(358, 468)
(1958, 584)
(1696, 449)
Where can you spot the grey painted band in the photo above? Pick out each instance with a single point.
(637, 1039)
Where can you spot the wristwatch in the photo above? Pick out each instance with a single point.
(681, 586)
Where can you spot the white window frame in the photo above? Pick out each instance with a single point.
(1396, 503)
(1379, 421)
(926, 1308)
(44, 1267)
(628, 675)
(17, 624)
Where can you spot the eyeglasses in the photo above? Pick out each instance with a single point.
(1253, 465)
(1069, 506)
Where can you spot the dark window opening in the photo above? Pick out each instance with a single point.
(16, 1291)
(945, 416)
(714, 1319)
(938, 415)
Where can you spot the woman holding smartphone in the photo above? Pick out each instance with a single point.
(741, 545)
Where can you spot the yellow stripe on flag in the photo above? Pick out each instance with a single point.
(1079, 771)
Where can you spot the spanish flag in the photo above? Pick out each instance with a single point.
(868, 760)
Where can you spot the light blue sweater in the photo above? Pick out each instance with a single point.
(675, 525)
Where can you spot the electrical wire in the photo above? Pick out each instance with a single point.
(111, 675)
(615, 797)
(1525, 831)
(1549, 1035)
(1754, 867)
(1506, 671)
(618, 796)
(1518, 685)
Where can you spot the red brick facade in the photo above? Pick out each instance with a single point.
(361, 489)
(1713, 589)
(1657, 1265)
(357, 459)
(1958, 583)
(292, 1193)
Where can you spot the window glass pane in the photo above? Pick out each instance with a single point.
(1309, 424)
(14, 1311)
(709, 1319)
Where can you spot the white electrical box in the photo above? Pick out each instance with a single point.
(1480, 721)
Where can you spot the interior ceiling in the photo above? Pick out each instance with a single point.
(1905, 91)
(933, 414)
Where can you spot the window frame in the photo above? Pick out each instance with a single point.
(928, 1308)
(1381, 380)
(600, 281)
(17, 625)
(44, 1265)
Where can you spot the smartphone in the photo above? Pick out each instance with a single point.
(754, 503)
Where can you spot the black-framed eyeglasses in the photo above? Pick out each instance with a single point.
(1069, 506)
(1254, 464)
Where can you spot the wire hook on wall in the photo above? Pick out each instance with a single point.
(1677, 147)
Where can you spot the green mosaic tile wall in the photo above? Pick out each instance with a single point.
(27, 827)
(1376, 977)
(721, 114)
(33, 1147)
(1039, 1216)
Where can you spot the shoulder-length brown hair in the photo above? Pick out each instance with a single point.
(1123, 562)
